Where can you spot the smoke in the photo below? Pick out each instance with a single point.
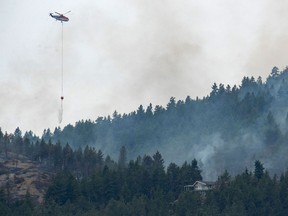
(270, 42)
(215, 154)
(149, 51)
(119, 55)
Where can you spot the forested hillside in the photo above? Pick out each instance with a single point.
(115, 165)
(224, 130)
(84, 183)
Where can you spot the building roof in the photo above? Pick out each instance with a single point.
(208, 183)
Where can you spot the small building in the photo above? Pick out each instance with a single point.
(200, 186)
(188, 188)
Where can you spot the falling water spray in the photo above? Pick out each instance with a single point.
(60, 113)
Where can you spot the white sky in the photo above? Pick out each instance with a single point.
(120, 54)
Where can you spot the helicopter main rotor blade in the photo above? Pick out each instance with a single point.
(67, 12)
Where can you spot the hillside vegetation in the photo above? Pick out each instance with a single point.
(86, 184)
(115, 165)
(224, 130)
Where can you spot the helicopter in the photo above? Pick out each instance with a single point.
(60, 17)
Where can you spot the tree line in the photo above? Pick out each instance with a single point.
(99, 175)
(229, 117)
(143, 186)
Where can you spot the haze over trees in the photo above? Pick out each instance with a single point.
(87, 184)
(224, 130)
(115, 165)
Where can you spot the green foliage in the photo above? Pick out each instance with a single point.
(122, 161)
(144, 187)
(64, 189)
(86, 184)
(249, 114)
(259, 169)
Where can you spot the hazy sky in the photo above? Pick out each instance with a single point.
(119, 54)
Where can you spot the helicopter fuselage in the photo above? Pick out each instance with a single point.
(61, 18)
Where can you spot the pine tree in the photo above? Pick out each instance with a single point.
(122, 161)
(259, 169)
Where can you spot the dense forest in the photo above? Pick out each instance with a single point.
(227, 129)
(114, 165)
(88, 183)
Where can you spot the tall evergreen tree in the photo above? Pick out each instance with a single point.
(122, 161)
(259, 169)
